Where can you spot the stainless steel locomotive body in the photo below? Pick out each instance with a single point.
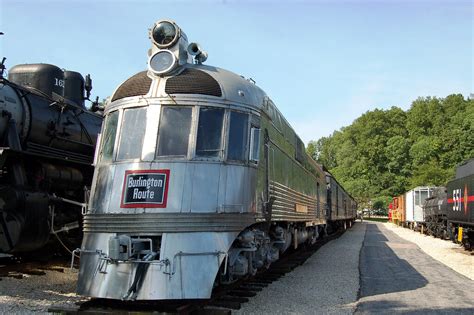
(208, 201)
(198, 179)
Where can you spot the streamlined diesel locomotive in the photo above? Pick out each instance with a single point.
(199, 180)
(47, 145)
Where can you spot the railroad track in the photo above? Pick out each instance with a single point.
(224, 299)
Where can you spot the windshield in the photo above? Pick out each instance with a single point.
(132, 133)
(173, 133)
(110, 130)
(209, 135)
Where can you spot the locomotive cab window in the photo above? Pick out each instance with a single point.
(209, 133)
(173, 132)
(108, 141)
(238, 136)
(132, 133)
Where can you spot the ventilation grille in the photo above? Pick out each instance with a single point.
(139, 84)
(192, 81)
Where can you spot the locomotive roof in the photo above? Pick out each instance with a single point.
(195, 81)
(465, 169)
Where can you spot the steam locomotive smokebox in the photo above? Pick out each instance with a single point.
(74, 87)
(41, 76)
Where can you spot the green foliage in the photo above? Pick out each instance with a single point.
(385, 153)
(430, 174)
(381, 202)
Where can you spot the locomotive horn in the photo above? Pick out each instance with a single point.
(194, 49)
(199, 54)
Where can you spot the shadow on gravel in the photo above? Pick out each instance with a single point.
(394, 307)
(381, 270)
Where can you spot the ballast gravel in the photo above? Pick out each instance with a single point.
(36, 293)
(327, 283)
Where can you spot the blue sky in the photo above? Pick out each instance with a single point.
(323, 63)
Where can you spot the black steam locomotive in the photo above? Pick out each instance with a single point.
(47, 145)
(460, 200)
(449, 213)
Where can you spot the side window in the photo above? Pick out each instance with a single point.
(299, 153)
(417, 197)
(173, 132)
(254, 144)
(317, 198)
(132, 133)
(238, 136)
(209, 133)
(423, 195)
(108, 138)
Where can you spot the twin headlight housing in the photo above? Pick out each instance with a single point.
(165, 34)
(170, 48)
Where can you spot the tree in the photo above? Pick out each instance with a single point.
(381, 203)
(387, 152)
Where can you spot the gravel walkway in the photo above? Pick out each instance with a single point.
(327, 283)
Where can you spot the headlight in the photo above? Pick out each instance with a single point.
(162, 62)
(165, 34)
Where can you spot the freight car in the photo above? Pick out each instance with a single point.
(200, 180)
(414, 199)
(408, 208)
(47, 145)
(398, 211)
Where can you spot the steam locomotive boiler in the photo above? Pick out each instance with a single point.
(47, 145)
(199, 180)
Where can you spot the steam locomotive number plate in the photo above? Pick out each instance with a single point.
(145, 189)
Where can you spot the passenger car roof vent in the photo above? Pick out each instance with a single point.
(139, 84)
(192, 81)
